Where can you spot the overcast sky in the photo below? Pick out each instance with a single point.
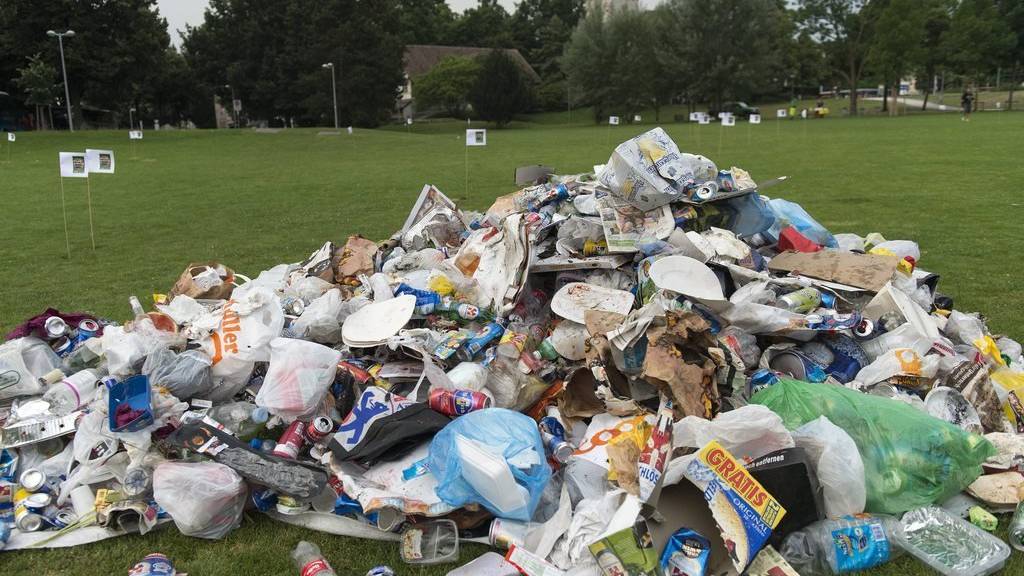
(181, 12)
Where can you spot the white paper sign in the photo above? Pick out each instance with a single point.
(803, 113)
(722, 115)
(728, 120)
(705, 119)
(613, 120)
(637, 118)
(780, 113)
(476, 137)
(349, 129)
(99, 161)
(72, 165)
(11, 137)
(755, 118)
(135, 134)
(408, 121)
(695, 116)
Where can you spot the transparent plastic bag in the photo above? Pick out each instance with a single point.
(300, 373)
(22, 362)
(319, 321)
(747, 433)
(911, 459)
(798, 218)
(494, 457)
(205, 499)
(838, 464)
(185, 375)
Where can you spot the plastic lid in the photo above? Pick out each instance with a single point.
(260, 414)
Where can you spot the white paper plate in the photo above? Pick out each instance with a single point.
(569, 339)
(372, 324)
(575, 298)
(687, 276)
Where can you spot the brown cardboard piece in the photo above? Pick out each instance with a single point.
(683, 505)
(867, 271)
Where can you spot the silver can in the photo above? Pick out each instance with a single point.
(55, 327)
(32, 479)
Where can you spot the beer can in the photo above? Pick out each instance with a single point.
(87, 329)
(37, 501)
(63, 346)
(153, 565)
(32, 480)
(293, 306)
(60, 517)
(55, 327)
(595, 248)
(865, 329)
(559, 449)
(291, 442)
(381, 571)
(319, 428)
(506, 533)
(26, 520)
(705, 190)
(457, 402)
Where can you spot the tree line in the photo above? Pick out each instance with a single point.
(269, 54)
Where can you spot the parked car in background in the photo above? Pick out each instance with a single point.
(738, 109)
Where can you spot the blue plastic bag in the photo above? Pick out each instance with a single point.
(804, 223)
(504, 435)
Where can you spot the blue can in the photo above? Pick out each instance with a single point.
(491, 331)
(87, 329)
(761, 379)
(552, 426)
(264, 500)
(828, 300)
(153, 565)
(381, 571)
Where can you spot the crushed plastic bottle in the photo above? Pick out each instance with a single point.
(310, 561)
(842, 545)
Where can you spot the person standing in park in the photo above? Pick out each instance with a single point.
(966, 103)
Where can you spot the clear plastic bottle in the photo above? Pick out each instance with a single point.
(309, 561)
(243, 419)
(842, 545)
(73, 392)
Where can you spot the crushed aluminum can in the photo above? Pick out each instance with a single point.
(153, 565)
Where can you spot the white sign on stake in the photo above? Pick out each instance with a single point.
(613, 120)
(11, 137)
(476, 137)
(694, 116)
(722, 115)
(728, 120)
(99, 161)
(408, 121)
(72, 165)
(135, 134)
(755, 118)
(781, 113)
(803, 113)
(704, 119)
(638, 118)
(349, 129)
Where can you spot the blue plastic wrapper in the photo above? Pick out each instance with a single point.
(501, 431)
(686, 554)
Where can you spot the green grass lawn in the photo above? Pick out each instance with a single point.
(253, 200)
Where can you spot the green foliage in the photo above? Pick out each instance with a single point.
(447, 85)
(978, 39)
(845, 30)
(487, 25)
(425, 21)
(500, 90)
(898, 42)
(36, 80)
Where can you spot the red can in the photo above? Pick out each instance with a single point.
(291, 442)
(457, 402)
(319, 428)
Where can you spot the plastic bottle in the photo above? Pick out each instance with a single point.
(243, 419)
(73, 392)
(1016, 529)
(310, 562)
(843, 545)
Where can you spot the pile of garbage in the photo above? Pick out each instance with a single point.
(650, 369)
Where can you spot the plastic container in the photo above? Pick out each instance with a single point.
(843, 545)
(73, 392)
(434, 542)
(490, 475)
(949, 545)
(135, 393)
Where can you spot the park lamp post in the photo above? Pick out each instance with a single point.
(334, 91)
(67, 93)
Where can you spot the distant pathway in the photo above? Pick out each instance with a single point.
(915, 103)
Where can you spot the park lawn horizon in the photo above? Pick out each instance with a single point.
(253, 199)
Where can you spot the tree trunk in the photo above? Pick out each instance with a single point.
(1013, 84)
(924, 103)
(853, 99)
(885, 96)
(894, 110)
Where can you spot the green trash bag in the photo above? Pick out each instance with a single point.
(911, 459)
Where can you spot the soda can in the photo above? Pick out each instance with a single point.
(801, 301)
(60, 517)
(381, 571)
(153, 565)
(293, 306)
(865, 329)
(557, 447)
(138, 481)
(705, 190)
(595, 248)
(547, 350)
(319, 428)
(87, 329)
(26, 520)
(63, 347)
(264, 500)
(51, 377)
(55, 327)
(457, 402)
(507, 533)
(474, 345)
(32, 480)
(37, 501)
(828, 300)
(291, 442)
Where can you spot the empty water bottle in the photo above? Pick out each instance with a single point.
(72, 392)
(309, 561)
(244, 419)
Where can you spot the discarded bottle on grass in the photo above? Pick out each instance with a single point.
(842, 545)
(309, 561)
(73, 392)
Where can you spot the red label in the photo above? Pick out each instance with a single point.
(317, 566)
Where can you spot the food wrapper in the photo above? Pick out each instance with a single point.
(745, 513)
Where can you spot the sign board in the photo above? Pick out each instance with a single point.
(755, 118)
(803, 113)
(728, 120)
(476, 137)
(780, 113)
(135, 134)
(722, 115)
(408, 121)
(695, 116)
(72, 165)
(613, 120)
(638, 118)
(99, 161)
(236, 104)
(704, 119)
(349, 129)
(11, 137)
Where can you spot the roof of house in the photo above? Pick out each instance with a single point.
(420, 58)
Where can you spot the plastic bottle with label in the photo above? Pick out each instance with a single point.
(73, 392)
(310, 561)
(244, 419)
(842, 545)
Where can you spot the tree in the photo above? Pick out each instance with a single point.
(500, 90)
(36, 80)
(932, 58)
(978, 39)
(447, 85)
(425, 21)
(588, 59)
(1012, 12)
(844, 28)
(487, 25)
(898, 42)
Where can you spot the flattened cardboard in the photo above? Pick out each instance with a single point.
(867, 271)
(526, 175)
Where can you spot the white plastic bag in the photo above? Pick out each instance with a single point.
(838, 464)
(319, 321)
(205, 499)
(22, 362)
(747, 433)
(904, 362)
(300, 373)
